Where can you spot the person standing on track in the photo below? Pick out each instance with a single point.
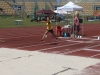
(76, 23)
(49, 28)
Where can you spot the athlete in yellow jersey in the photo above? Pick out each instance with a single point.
(49, 25)
(49, 29)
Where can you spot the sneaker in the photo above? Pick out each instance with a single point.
(41, 39)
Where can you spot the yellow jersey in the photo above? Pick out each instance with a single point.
(49, 25)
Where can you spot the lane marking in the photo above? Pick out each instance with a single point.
(75, 41)
(72, 51)
(58, 42)
(95, 55)
(95, 50)
(19, 37)
(93, 46)
(66, 49)
(42, 44)
(67, 45)
(57, 47)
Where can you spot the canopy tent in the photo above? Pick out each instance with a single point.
(61, 12)
(70, 6)
(45, 12)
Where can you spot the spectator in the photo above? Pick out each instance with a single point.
(76, 24)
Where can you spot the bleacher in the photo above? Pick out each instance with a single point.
(88, 6)
(6, 7)
(29, 6)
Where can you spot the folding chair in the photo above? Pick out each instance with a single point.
(59, 30)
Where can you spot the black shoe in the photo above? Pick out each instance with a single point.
(41, 39)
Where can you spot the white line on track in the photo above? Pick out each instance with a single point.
(66, 49)
(72, 51)
(96, 36)
(19, 36)
(95, 55)
(82, 41)
(88, 38)
(41, 44)
(79, 42)
(92, 46)
(57, 47)
(62, 40)
(95, 50)
(52, 42)
(75, 41)
(56, 42)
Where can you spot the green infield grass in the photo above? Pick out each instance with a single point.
(9, 22)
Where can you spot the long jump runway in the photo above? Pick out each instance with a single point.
(87, 46)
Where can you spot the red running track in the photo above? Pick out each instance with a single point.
(29, 39)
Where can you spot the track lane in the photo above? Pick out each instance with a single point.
(63, 48)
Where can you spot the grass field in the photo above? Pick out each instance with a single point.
(9, 22)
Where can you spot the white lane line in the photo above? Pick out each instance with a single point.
(72, 51)
(51, 43)
(87, 38)
(82, 41)
(20, 36)
(56, 42)
(42, 44)
(94, 55)
(96, 36)
(75, 41)
(57, 47)
(95, 50)
(66, 49)
(92, 46)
